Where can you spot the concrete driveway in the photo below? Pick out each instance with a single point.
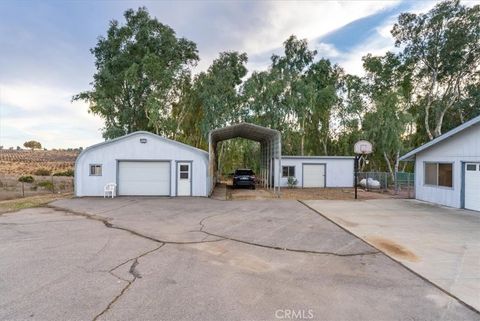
(201, 259)
(441, 244)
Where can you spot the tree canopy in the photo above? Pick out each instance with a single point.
(144, 80)
(32, 144)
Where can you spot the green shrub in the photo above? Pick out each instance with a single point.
(292, 182)
(46, 185)
(68, 172)
(26, 179)
(42, 172)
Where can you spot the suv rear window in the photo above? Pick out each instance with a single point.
(243, 172)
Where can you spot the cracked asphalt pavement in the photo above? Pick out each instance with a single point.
(201, 259)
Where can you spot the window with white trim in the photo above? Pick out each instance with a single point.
(95, 170)
(288, 171)
(438, 174)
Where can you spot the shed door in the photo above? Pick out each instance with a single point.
(144, 178)
(472, 186)
(184, 179)
(313, 175)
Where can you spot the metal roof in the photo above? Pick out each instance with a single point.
(410, 155)
(318, 157)
(245, 130)
(145, 133)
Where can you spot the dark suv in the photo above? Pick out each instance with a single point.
(244, 177)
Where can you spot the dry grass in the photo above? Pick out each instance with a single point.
(22, 162)
(28, 202)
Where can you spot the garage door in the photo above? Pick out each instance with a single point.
(313, 175)
(144, 178)
(472, 186)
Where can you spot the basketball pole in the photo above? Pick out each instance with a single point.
(356, 175)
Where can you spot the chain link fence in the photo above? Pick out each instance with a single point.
(403, 185)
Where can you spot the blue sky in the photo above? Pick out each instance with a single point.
(45, 58)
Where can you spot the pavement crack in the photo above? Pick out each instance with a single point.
(108, 224)
(279, 248)
(135, 275)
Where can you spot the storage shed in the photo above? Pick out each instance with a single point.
(447, 169)
(142, 164)
(317, 171)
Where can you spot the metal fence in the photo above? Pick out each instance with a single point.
(11, 188)
(402, 185)
(405, 183)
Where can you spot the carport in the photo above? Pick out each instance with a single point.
(270, 149)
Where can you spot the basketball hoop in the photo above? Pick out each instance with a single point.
(363, 147)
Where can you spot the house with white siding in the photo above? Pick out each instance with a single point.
(447, 169)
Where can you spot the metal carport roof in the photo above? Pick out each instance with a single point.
(270, 148)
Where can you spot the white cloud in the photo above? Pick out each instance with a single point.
(30, 111)
(307, 19)
(378, 44)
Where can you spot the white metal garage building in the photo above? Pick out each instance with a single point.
(447, 169)
(317, 171)
(142, 163)
(145, 164)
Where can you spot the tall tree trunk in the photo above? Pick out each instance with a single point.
(397, 162)
(427, 124)
(389, 165)
(428, 106)
(302, 138)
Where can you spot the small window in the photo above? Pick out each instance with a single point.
(183, 175)
(95, 170)
(431, 174)
(439, 174)
(183, 168)
(288, 171)
(471, 167)
(445, 177)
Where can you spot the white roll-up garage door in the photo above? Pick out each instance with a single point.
(313, 175)
(472, 186)
(144, 178)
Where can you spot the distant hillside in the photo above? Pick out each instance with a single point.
(20, 162)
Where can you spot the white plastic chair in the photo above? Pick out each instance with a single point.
(109, 189)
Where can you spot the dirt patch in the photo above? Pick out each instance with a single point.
(393, 249)
(226, 191)
(249, 194)
(329, 194)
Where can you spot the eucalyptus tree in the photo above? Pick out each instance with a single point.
(350, 111)
(320, 87)
(139, 70)
(218, 91)
(296, 91)
(443, 46)
(388, 83)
